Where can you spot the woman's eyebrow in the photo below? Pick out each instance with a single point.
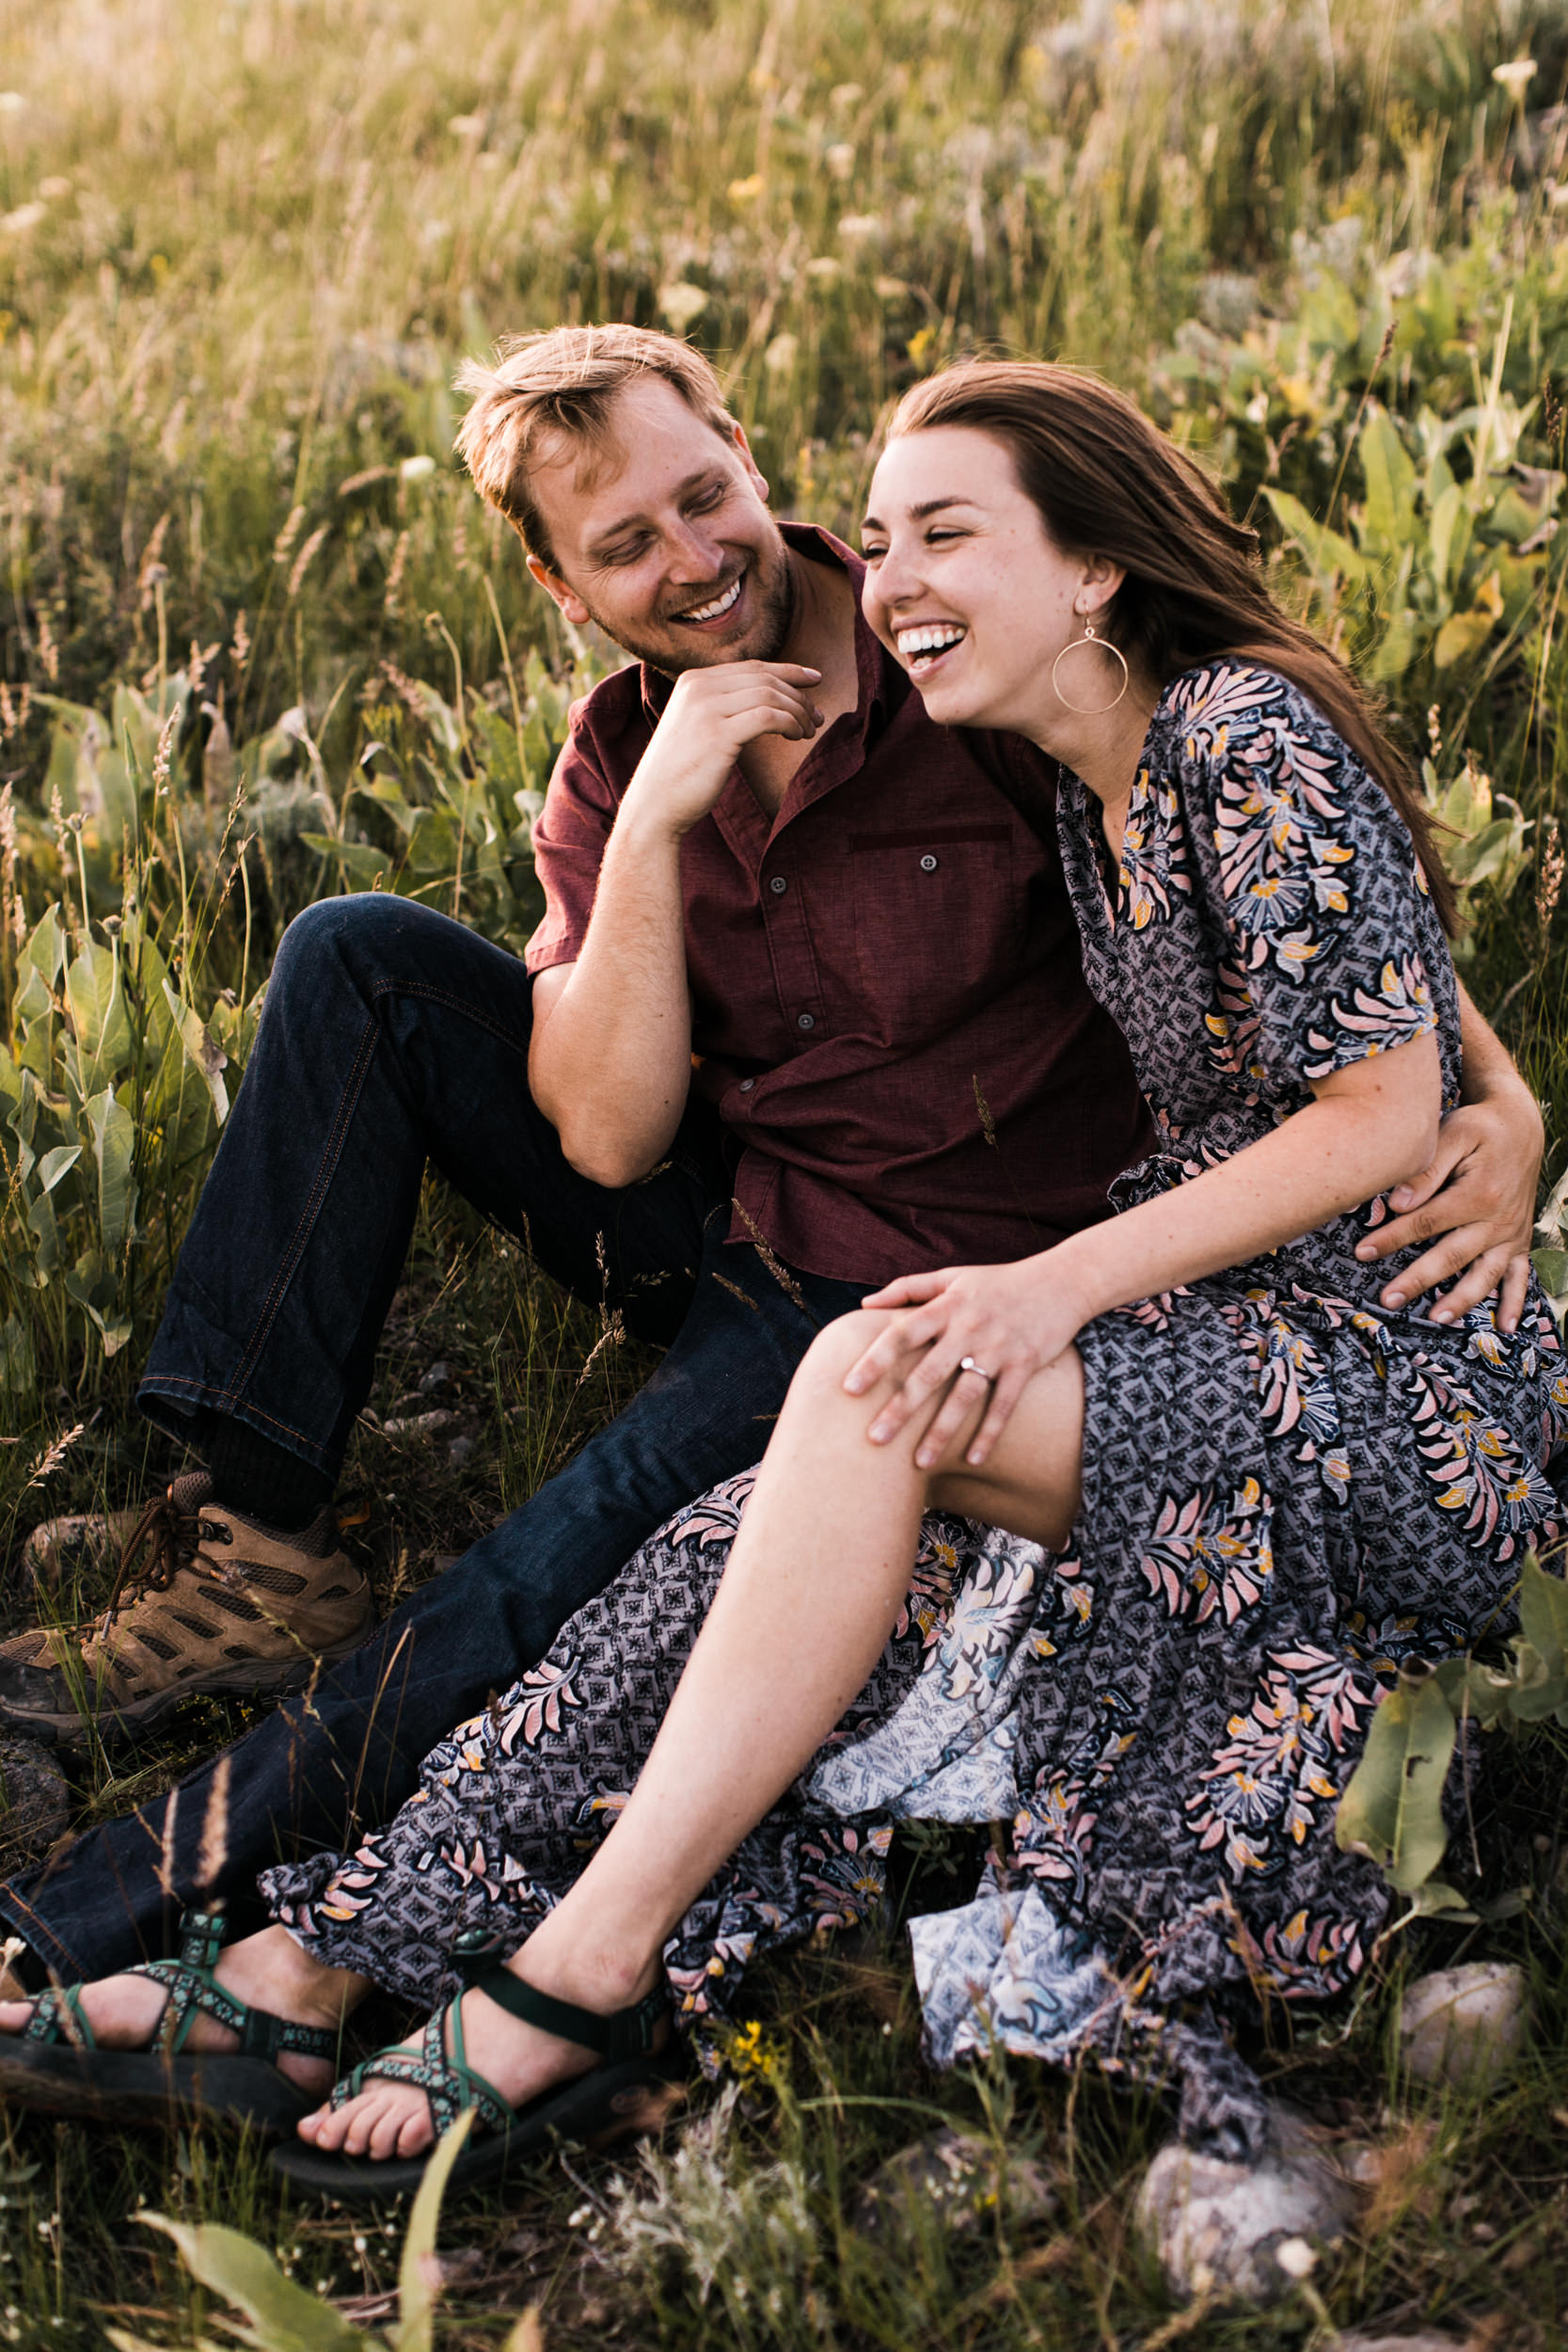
(926, 506)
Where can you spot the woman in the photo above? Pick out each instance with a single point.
(1195, 1487)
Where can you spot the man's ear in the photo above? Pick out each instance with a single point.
(566, 598)
(758, 478)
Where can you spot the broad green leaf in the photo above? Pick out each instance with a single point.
(45, 1231)
(18, 1366)
(58, 1162)
(1544, 1612)
(1461, 637)
(44, 950)
(1330, 556)
(285, 2317)
(1396, 650)
(1435, 1899)
(1489, 853)
(113, 1145)
(97, 1002)
(1540, 1686)
(1390, 512)
(200, 1046)
(364, 865)
(1392, 1810)
(418, 2276)
(1552, 1267)
(1448, 537)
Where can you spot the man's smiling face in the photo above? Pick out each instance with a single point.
(662, 537)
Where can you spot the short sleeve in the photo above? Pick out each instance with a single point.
(1330, 933)
(569, 836)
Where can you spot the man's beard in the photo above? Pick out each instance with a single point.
(768, 638)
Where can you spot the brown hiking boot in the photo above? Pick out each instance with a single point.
(205, 1600)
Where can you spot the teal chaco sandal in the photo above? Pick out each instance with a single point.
(619, 2095)
(55, 2063)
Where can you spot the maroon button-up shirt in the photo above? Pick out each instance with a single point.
(888, 1002)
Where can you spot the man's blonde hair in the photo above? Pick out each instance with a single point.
(566, 381)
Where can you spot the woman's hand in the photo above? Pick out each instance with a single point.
(1012, 1320)
(1475, 1202)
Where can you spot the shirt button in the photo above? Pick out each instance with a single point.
(805, 1021)
(927, 863)
(778, 885)
(746, 1085)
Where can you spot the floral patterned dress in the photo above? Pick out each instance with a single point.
(1287, 1491)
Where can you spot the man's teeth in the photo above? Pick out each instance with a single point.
(929, 639)
(721, 604)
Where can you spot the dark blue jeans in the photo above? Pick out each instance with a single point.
(393, 1037)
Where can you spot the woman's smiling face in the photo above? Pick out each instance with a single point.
(964, 585)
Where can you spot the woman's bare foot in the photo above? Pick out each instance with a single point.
(392, 2119)
(267, 1971)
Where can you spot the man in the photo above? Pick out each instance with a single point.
(804, 1011)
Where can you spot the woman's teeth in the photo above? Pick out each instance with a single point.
(720, 603)
(928, 639)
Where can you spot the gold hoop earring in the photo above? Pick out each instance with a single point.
(1102, 644)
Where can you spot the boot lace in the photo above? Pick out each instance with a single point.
(170, 1540)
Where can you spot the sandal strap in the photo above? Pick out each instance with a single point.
(625, 2033)
(449, 2084)
(193, 1993)
(58, 2017)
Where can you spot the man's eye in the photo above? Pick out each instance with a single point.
(625, 551)
(705, 500)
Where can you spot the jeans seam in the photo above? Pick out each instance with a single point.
(328, 1164)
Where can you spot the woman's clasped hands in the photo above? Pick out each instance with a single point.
(966, 1330)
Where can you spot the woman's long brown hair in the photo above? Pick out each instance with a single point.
(1107, 482)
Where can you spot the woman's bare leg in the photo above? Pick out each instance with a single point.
(806, 1603)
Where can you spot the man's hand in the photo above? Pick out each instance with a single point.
(1475, 1202)
(709, 718)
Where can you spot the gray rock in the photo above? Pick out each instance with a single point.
(1358, 2340)
(956, 2177)
(1219, 2228)
(35, 1802)
(1227, 302)
(1465, 2027)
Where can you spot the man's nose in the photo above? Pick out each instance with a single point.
(694, 554)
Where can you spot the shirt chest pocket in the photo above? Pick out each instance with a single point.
(939, 923)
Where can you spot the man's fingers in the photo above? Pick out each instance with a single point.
(1449, 1255)
(1515, 1284)
(1478, 1282)
(1400, 1233)
(1418, 1189)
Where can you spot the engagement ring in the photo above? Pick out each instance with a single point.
(967, 1364)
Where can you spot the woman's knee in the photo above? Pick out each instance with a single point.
(837, 1347)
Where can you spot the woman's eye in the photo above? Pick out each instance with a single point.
(872, 554)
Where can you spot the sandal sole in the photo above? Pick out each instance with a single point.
(607, 2102)
(134, 2086)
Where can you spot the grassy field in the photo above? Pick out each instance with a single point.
(259, 645)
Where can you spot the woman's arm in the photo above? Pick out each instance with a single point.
(1475, 1198)
(1366, 1127)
